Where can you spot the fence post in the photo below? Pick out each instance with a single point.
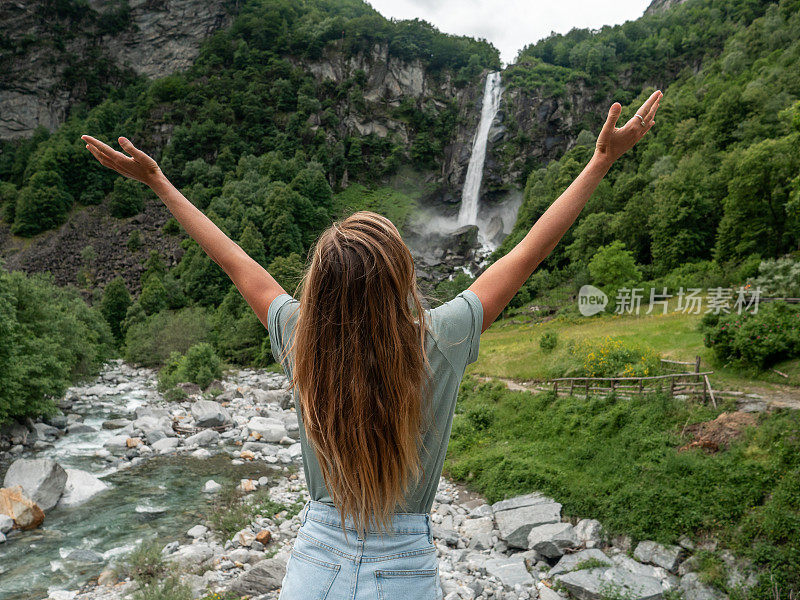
(671, 386)
(641, 386)
(555, 387)
(697, 364)
(571, 386)
(587, 389)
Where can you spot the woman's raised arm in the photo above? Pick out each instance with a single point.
(257, 286)
(500, 281)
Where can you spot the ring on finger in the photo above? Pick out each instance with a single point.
(641, 118)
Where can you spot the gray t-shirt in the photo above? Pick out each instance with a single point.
(454, 330)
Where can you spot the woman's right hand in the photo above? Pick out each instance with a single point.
(615, 141)
(137, 166)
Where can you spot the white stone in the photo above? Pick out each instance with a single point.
(81, 485)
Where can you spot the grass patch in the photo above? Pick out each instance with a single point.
(157, 581)
(233, 510)
(392, 203)
(616, 460)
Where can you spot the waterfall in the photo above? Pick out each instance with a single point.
(468, 213)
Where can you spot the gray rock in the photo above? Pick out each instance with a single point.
(154, 435)
(193, 555)
(166, 445)
(206, 437)
(693, 589)
(668, 557)
(211, 486)
(269, 430)
(520, 501)
(85, 556)
(116, 423)
(42, 480)
(602, 582)
(514, 524)
(78, 428)
(80, 486)
(197, 531)
(445, 534)
(589, 532)
(626, 562)
(569, 561)
(6, 523)
(2, 538)
(510, 570)
(265, 576)
(478, 532)
(552, 539)
(208, 413)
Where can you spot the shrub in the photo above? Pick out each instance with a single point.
(548, 341)
(150, 340)
(134, 240)
(49, 338)
(199, 365)
(779, 277)
(759, 340)
(127, 198)
(171, 227)
(611, 357)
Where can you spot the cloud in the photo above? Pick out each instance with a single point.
(512, 24)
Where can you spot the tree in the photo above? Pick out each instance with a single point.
(613, 267)
(127, 198)
(153, 297)
(114, 305)
(42, 204)
(253, 243)
(287, 271)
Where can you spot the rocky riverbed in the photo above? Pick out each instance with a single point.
(121, 466)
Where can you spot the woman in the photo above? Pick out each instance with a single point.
(375, 377)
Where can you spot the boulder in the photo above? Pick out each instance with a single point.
(552, 539)
(268, 429)
(478, 532)
(25, 513)
(521, 501)
(81, 485)
(6, 523)
(78, 428)
(42, 480)
(589, 532)
(509, 570)
(265, 576)
(206, 437)
(514, 524)
(166, 445)
(668, 557)
(116, 423)
(197, 531)
(208, 413)
(193, 555)
(84, 556)
(692, 588)
(602, 582)
(211, 487)
(569, 561)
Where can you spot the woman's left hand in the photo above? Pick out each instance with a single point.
(615, 141)
(137, 166)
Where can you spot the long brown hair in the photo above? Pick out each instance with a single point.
(360, 366)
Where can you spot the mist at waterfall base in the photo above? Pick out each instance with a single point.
(432, 227)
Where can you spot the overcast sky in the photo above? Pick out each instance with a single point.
(512, 24)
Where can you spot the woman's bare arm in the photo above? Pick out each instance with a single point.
(497, 285)
(257, 286)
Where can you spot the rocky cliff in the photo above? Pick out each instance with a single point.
(55, 55)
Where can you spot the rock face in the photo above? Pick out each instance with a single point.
(19, 508)
(666, 557)
(43, 480)
(81, 485)
(156, 39)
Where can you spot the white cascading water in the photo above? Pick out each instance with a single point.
(468, 213)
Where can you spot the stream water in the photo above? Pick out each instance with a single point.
(158, 498)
